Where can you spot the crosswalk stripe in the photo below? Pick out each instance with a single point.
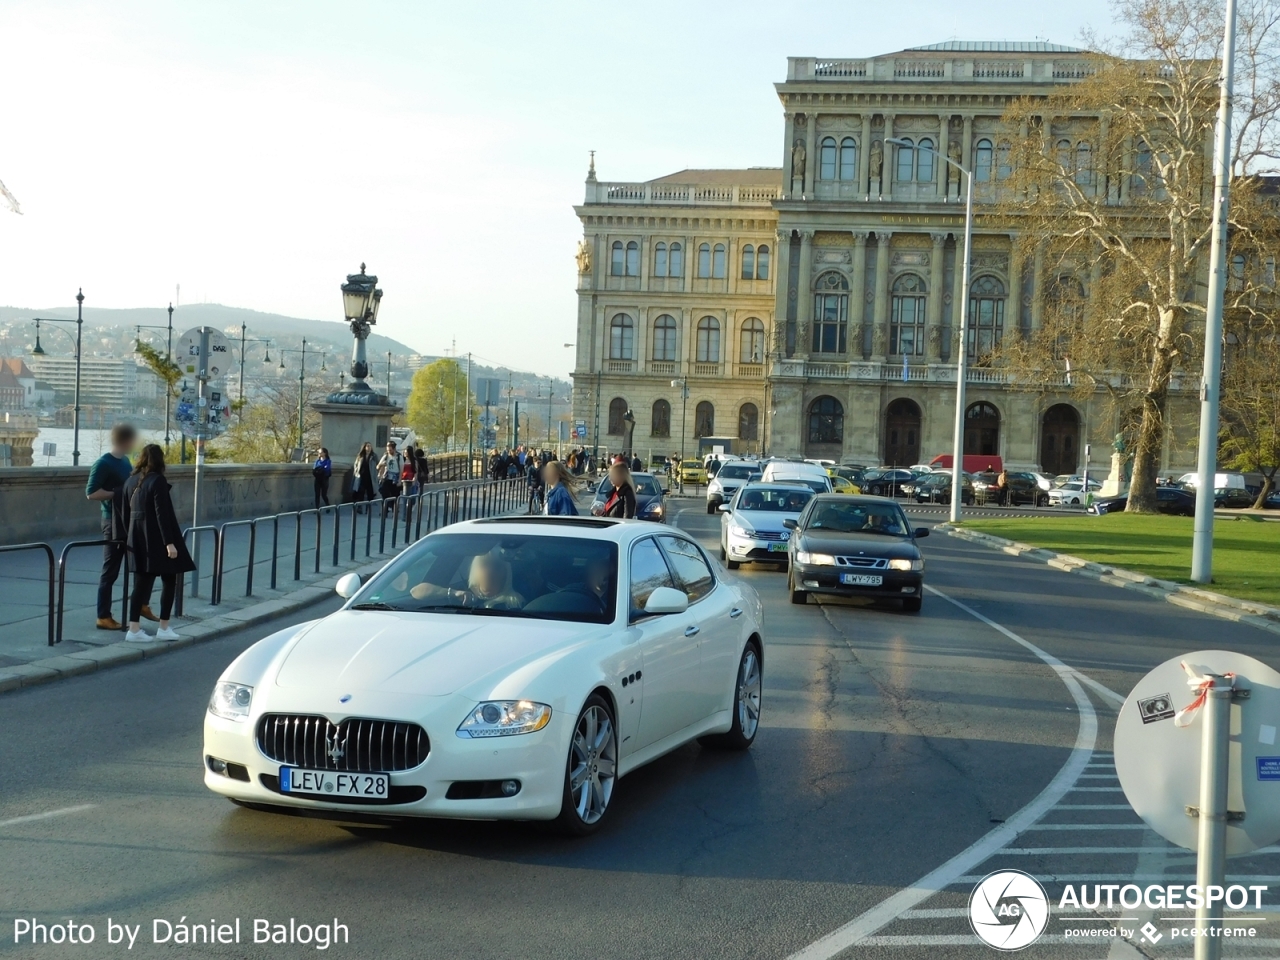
(1093, 806)
(1046, 851)
(1109, 877)
(1089, 826)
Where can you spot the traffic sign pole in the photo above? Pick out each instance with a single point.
(202, 418)
(1211, 857)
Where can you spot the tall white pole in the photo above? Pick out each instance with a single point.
(962, 358)
(1207, 464)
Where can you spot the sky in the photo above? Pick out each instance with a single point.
(254, 153)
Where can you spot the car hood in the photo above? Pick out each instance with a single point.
(852, 544)
(762, 520)
(427, 654)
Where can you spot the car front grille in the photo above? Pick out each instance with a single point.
(864, 563)
(768, 535)
(359, 745)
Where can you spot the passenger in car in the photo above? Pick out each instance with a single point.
(488, 587)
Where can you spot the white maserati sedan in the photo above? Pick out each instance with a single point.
(508, 668)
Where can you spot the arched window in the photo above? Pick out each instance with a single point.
(827, 169)
(622, 338)
(1235, 277)
(664, 338)
(924, 162)
(704, 420)
(831, 314)
(617, 413)
(1142, 179)
(982, 157)
(906, 326)
(1064, 156)
(748, 262)
(906, 160)
(826, 421)
(616, 261)
(762, 262)
(660, 421)
(708, 340)
(704, 260)
(848, 159)
(748, 421)
(660, 260)
(717, 262)
(1084, 163)
(986, 316)
(1004, 165)
(751, 341)
(675, 266)
(633, 259)
(982, 430)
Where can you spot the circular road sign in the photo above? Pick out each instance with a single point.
(1158, 762)
(212, 367)
(203, 421)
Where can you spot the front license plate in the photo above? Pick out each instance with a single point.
(861, 579)
(777, 548)
(372, 786)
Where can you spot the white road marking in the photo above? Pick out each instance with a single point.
(863, 927)
(32, 817)
(1054, 851)
(1125, 877)
(1088, 826)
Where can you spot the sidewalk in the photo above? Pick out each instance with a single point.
(26, 658)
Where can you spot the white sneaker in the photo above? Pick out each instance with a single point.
(167, 633)
(138, 636)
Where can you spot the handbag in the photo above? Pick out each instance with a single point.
(355, 482)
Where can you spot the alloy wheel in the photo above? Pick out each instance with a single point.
(593, 764)
(749, 693)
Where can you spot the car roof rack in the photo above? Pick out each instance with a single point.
(598, 523)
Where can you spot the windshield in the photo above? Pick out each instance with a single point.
(735, 471)
(644, 487)
(775, 501)
(500, 575)
(835, 517)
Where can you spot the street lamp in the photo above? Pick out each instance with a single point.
(302, 386)
(962, 357)
(266, 358)
(683, 384)
(168, 390)
(360, 301)
(39, 352)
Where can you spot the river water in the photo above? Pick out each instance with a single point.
(94, 442)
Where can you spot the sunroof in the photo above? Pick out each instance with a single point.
(555, 521)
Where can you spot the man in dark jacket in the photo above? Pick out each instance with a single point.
(107, 477)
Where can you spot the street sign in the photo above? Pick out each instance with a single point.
(579, 429)
(488, 392)
(1158, 750)
(215, 365)
(50, 450)
(202, 421)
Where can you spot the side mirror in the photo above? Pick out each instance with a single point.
(666, 600)
(724, 508)
(791, 523)
(919, 532)
(666, 490)
(348, 585)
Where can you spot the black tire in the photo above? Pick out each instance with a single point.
(723, 555)
(797, 596)
(912, 604)
(710, 508)
(570, 822)
(732, 564)
(748, 688)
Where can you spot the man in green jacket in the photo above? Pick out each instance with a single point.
(106, 481)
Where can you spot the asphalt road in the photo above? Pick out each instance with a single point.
(890, 744)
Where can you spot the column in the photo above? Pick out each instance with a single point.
(966, 146)
(1102, 163)
(1013, 306)
(732, 266)
(858, 295)
(782, 286)
(1037, 288)
(804, 295)
(646, 241)
(1126, 165)
(811, 154)
(687, 345)
(933, 306)
(957, 292)
(880, 309)
(864, 157)
(887, 170)
(788, 141)
(940, 166)
(643, 340)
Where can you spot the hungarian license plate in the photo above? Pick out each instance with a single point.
(330, 783)
(861, 579)
(777, 548)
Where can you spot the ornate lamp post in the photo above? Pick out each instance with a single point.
(360, 300)
(39, 352)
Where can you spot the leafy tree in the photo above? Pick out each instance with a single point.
(438, 400)
(267, 429)
(164, 368)
(1250, 436)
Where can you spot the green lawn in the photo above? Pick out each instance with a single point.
(1246, 552)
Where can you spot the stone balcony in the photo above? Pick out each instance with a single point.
(683, 194)
(889, 371)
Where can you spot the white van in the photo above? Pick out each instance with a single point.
(788, 471)
(1221, 481)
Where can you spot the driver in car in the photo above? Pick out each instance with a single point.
(488, 587)
(597, 581)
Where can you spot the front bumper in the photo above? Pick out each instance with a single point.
(895, 584)
(536, 760)
(753, 550)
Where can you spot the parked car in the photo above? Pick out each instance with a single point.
(886, 482)
(841, 485)
(752, 524)
(788, 471)
(692, 471)
(1024, 487)
(651, 503)
(1233, 498)
(852, 474)
(1171, 500)
(936, 488)
(732, 475)
(1071, 493)
(856, 546)
(401, 704)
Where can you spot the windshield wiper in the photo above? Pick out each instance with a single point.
(374, 605)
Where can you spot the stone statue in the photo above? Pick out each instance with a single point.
(876, 159)
(797, 160)
(953, 153)
(584, 258)
(1118, 444)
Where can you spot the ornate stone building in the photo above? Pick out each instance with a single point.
(814, 309)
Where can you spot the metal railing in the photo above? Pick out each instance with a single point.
(48, 551)
(62, 581)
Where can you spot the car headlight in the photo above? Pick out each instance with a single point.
(653, 509)
(815, 559)
(231, 701)
(740, 531)
(505, 718)
(904, 564)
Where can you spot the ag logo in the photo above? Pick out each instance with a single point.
(1008, 910)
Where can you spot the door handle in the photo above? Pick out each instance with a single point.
(735, 612)
(690, 631)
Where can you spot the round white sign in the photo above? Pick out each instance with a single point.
(188, 354)
(207, 420)
(1008, 909)
(1158, 759)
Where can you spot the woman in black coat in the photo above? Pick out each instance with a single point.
(621, 502)
(362, 485)
(155, 541)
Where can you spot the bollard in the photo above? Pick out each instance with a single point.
(1215, 754)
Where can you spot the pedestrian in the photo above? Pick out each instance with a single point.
(533, 476)
(636, 464)
(1002, 488)
(362, 486)
(421, 469)
(107, 477)
(409, 472)
(389, 469)
(559, 498)
(621, 501)
(155, 542)
(322, 470)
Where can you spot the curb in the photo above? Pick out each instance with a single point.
(1192, 598)
(114, 654)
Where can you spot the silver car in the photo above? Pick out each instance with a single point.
(752, 524)
(732, 475)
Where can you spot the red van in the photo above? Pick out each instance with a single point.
(972, 463)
